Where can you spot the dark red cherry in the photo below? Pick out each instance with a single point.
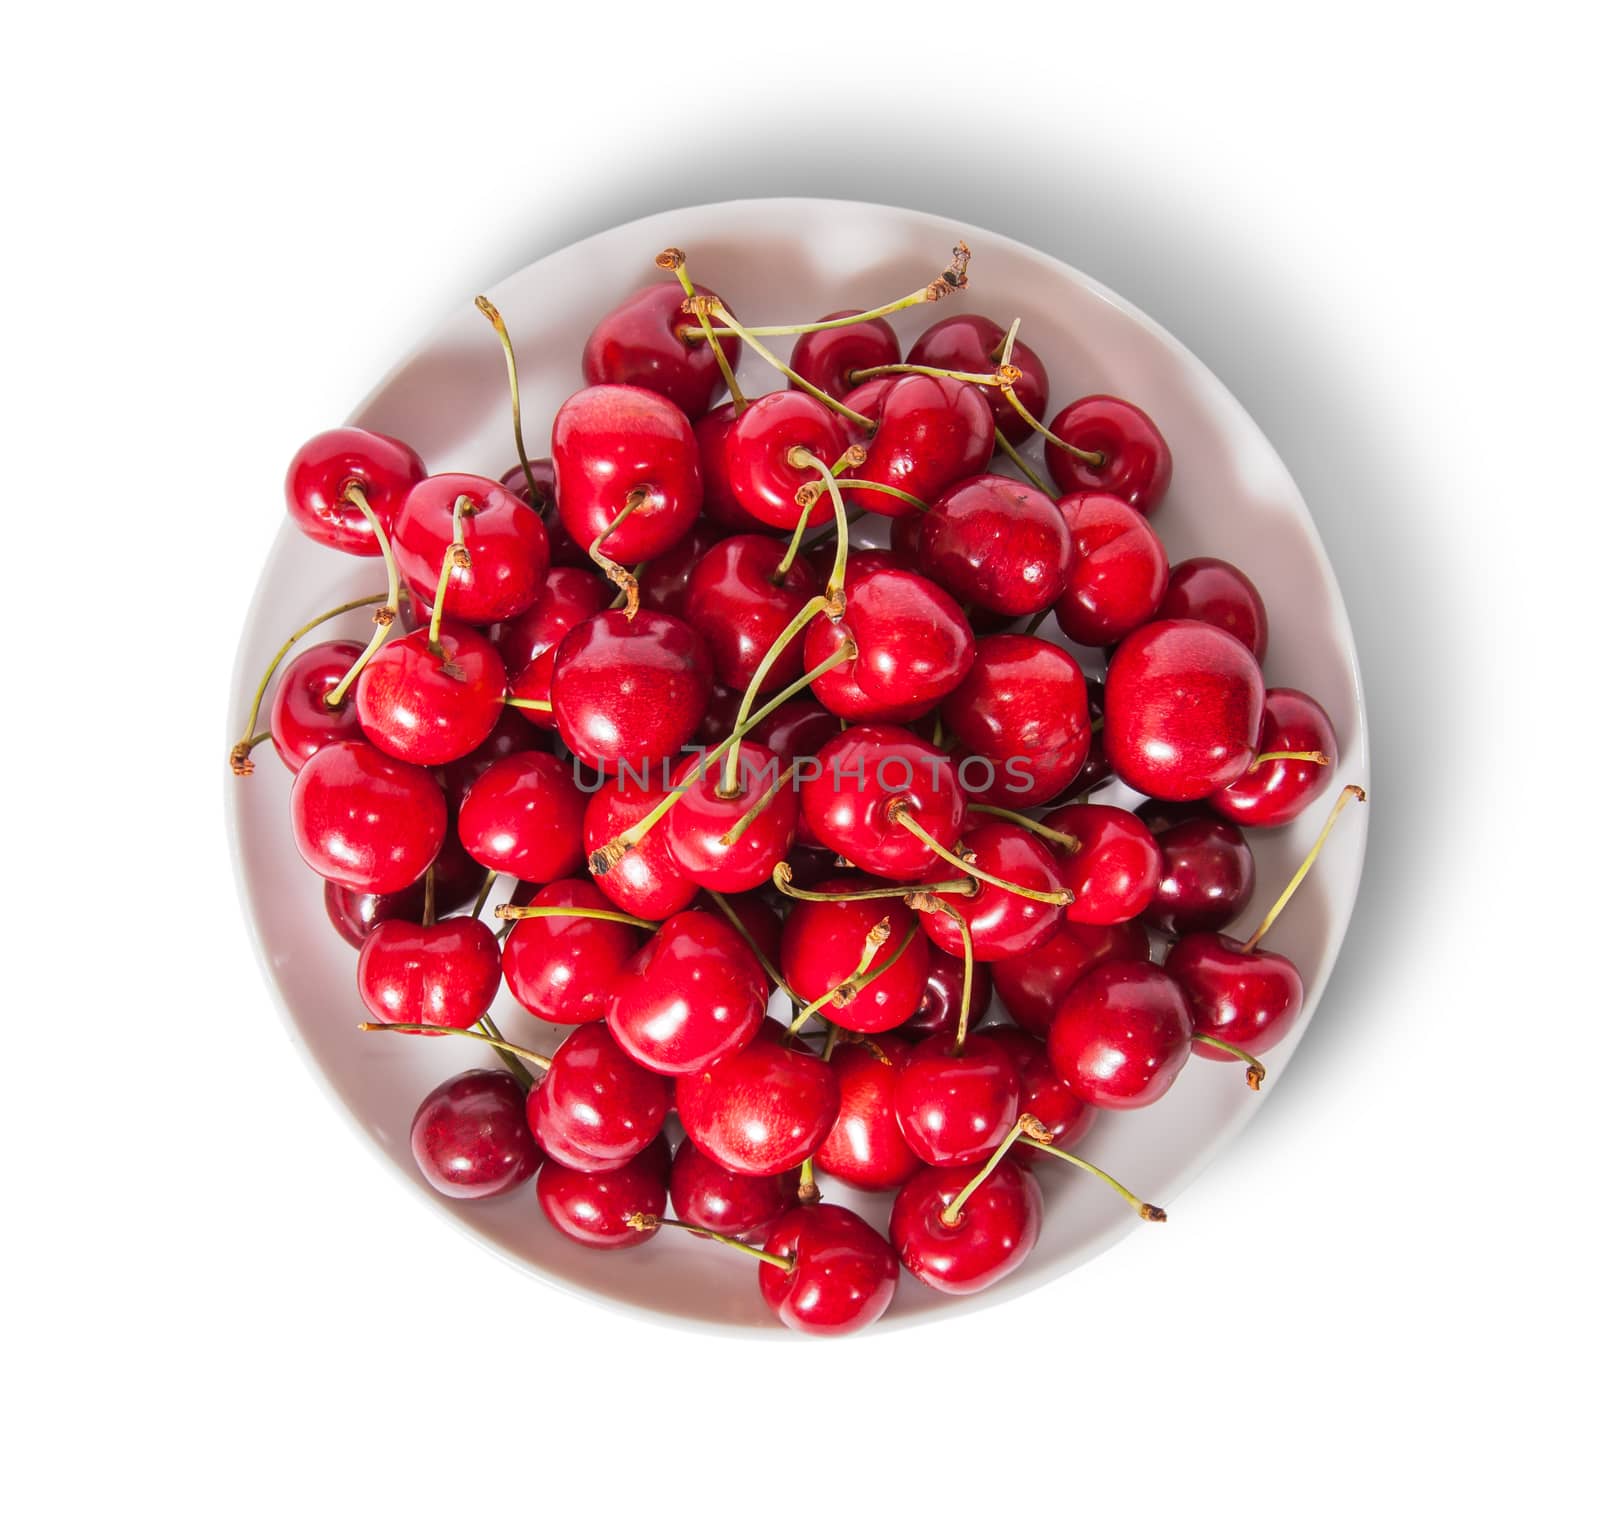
(1218, 593)
(1119, 571)
(540, 495)
(761, 1111)
(1032, 986)
(1208, 874)
(761, 923)
(931, 433)
(1001, 923)
(823, 944)
(722, 714)
(646, 881)
(1096, 770)
(993, 1233)
(842, 1273)
(740, 604)
(597, 1108)
(610, 442)
(430, 702)
(972, 344)
(629, 691)
(711, 1197)
(1116, 869)
(511, 734)
(383, 469)
(1137, 465)
(429, 974)
(956, 1109)
(456, 880)
(940, 1005)
(528, 643)
(1248, 998)
(828, 358)
(1044, 1097)
(1184, 704)
(1120, 1035)
(760, 475)
(703, 825)
(798, 728)
(524, 817)
(640, 343)
(865, 1147)
(593, 1208)
(997, 543)
(506, 542)
(718, 503)
(565, 969)
(692, 995)
(470, 1136)
(366, 820)
(302, 720)
(1279, 790)
(664, 582)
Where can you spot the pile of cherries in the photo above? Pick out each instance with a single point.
(729, 758)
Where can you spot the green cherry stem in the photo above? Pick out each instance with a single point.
(1146, 1210)
(925, 904)
(648, 1223)
(773, 975)
(1293, 755)
(500, 331)
(1346, 796)
(489, 880)
(847, 988)
(675, 262)
(538, 911)
(1255, 1074)
(1007, 389)
(456, 558)
(783, 879)
(508, 1051)
(383, 618)
(1027, 1125)
(704, 308)
(615, 571)
(912, 826)
(1009, 449)
(1066, 840)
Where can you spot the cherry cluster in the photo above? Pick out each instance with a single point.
(729, 757)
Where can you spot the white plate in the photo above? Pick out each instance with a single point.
(778, 260)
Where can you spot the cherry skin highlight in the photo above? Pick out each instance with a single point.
(997, 543)
(842, 1275)
(445, 973)
(1219, 594)
(528, 643)
(1032, 986)
(1116, 871)
(931, 433)
(1044, 1096)
(384, 470)
(646, 881)
(1120, 1035)
(994, 1232)
(524, 817)
(1248, 998)
(865, 1147)
(470, 1138)
(430, 703)
(1278, 791)
(955, 1110)
(1001, 923)
(1208, 874)
(302, 720)
(1137, 462)
(761, 476)
(940, 1005)
(702, 824)
(718, 503)
(593, 1208)
(597, 1109)
(565, 969)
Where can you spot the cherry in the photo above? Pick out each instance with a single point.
(430, 701)
(664, 582)
(761, 1111)
(840, 1274)
(593, 1208)
(1248, 998)
(1208, 873)
(1136, 463)
(940, 1005)
(596, 1109)
(822, 946)
(973, 344)
(354, 915)
(828, 358)
(718, 502)
(1064, 1117)
(565, 969)
(510, 734)
(507, 549)
(629, 691)
(931, 433)
(1001, 923)
(1119, 572)
(1033, 985)
(470, 1137)
(993, 1231)
(998, 543)
(381, 469)
(865, 1147)
(837, 690)
(955, 1107)
(302, 719)
(1115, 871)
(798, 728)
(1279, 790)
(646, 880)
(754, 919)
(524, 817)
(692, 995)
(538, 490)
(740, 599)
(429, 974)
(1184, 704)
(528, 643)
(366, 820)
(723, 1202)
(1218, 593)
(1024, 709)
(731, 843)
(639, 343)
(618, 448)
(1120, 1035)
(762, 473)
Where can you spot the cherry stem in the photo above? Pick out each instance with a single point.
(807, 1193)
(730, 765)
(677, 264)
(624, 579)
(847, 988)
(923, 904)
(239, 756)
(456, 558)
(1295, 756)
(522, 704)
(1346, 796)
(1256, 1071)
(801, 459)
(783, 879)
(849, 483)
(1032, 627)
(498, 1042)
(521, 911)
(1010, 451)
(773, 974)
(648, 1223)
(766, 798)
(1027, 1125)
(514, 1065)
(793, 550)
(907, 821)
(1083, 456)
(516, 395)
(1054, 835)
(879, 370)
(703, 308)
(383, 618)
(1146, 1210)
(429, 898)
(489, 880)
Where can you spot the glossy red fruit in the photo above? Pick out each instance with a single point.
(527, 644)
(505, 540)
(931, 433)
(1001, 923)
(993, 1233)
(366, 820)
(761, 924)
(429, 706)
(702, 823)
(1117, 868)
(629, 691)
(842, 1275)
(717, 501)
(524, 818)
(799, 728)
(973, 344)
(1032, 986)
(739, 1206)
(822, 946)
(828, 358)
(640, 343)
(865, 1147)
(1119, 570)
(512, 733)
(593, 1209)
(540, 494)
(597, 1109)
(1208, 874)
(837, 690)
(955, 1110)
(740, 603)
(610, 441)
(1219, 594)
(692, 995)
(1248, 998)
(470, 1136)
(445, 973)
(456, 879)
(384, 468)
(939, 1008)
(1044, 1097)
(664, 582)
(1138, 463)
(1279, 790)
(997, 543)
(1120, 1035)
(565, 969)
(1096, 770)
(302, 721)
(1184, 703)
(760, 475)
(646, 881)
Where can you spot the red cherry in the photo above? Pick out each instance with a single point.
(1032, 986)
(435, 974)
(1044, 1097)
(1120, 1035)
(740, 603)
(593, 1209)
(972, 344)
(540, 495)
(703, 825)
(761, 475)
(931, 433)
(646, 881)
(827, 359)
(1001, 923)
(762, 925)
(940, 1005)
(617, 446)
(1137, 465)
(1184, 703)
(1117, 868)
(430, 702)
(524, 817)
(456, 880)
(865, 1147)
(366, 820)
(639, 343)
(992, 1234)
(511, 734)
(565, 969)
(1249, 998)
(664, 582)
(597, 1109)
(997, 543)
(837, 689)
(1119, 572)
(841, 1275)
(955, 1109)
(1279, 790)
(302, 720)
(528, 643)
(692, 995)
(798, 728)
(1218, 593)
(470, 1137)
(1208, 874)
(629, 691)
(382, 468)
(723, 1202)
(711, 433)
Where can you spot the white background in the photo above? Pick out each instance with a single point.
(1376, 1310)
